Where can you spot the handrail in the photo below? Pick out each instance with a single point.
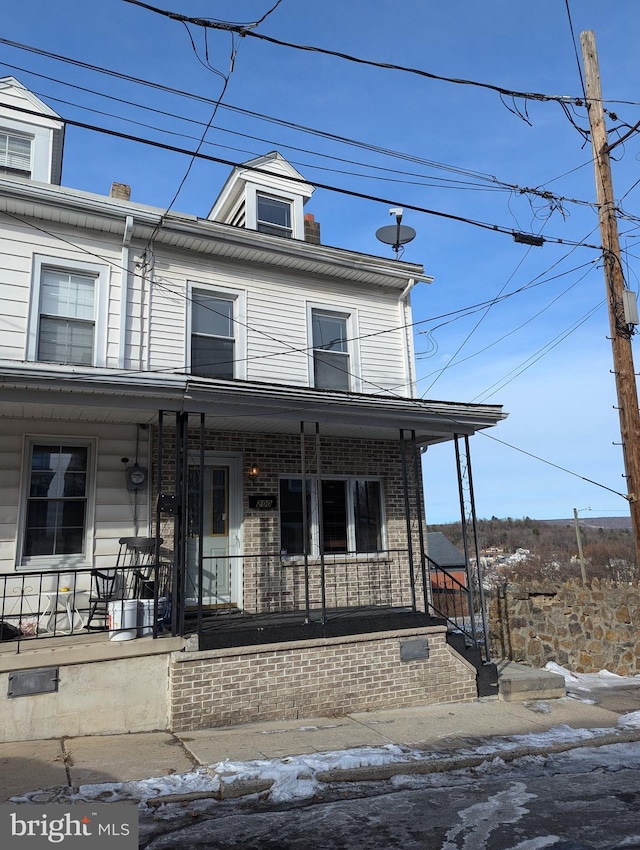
(455, 604)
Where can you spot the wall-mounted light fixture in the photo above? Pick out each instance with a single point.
(253, 471)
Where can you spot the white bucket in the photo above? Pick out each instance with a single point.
(145, 615)
(123, 619)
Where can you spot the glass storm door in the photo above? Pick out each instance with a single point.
(221, 566)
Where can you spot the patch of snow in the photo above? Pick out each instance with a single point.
(630, 721)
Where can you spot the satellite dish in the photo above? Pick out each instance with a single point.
(396, 234)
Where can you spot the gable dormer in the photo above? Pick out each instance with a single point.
(31, 135)
(265, 194)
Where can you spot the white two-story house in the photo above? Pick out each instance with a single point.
(241, 394)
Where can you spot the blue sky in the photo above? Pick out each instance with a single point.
(560, 403)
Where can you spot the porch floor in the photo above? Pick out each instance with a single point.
(237, 628)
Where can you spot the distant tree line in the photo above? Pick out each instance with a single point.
(553, 547)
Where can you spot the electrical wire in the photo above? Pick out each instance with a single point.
(575, 48)
(525, 323)
(243, 31)
(490, 179)
(496, 228)
(423, 405)
(555, 465)
(537, 355)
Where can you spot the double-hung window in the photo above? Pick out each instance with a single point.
(273, 216)
(56, 510)
(331, 359)
(15, 154)
(66, 324)
(213, 344)
(344, 515)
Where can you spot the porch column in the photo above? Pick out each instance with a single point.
(321, 525)
(305, 523)
(417, 475)
(407, 515)
(470, 537)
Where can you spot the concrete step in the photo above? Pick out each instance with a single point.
(517, 682)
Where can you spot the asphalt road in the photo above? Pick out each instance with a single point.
(585, 799)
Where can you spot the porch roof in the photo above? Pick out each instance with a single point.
(95, 395)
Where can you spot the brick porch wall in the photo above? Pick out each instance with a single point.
(325, 677)
(272, 584)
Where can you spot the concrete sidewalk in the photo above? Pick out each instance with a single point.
(58, 763)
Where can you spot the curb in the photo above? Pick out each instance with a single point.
(243, 787)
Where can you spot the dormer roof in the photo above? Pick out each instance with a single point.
(270, 175)
(23, 114)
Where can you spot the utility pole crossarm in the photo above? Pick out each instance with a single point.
(614, 279)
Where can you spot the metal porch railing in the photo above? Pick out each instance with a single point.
(36, 605)
(454, 602)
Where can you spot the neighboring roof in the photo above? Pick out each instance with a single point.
(442, 551)
(11, 87)
(20, 109)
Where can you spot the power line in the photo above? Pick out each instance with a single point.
(418, 402)
(243, 31)
(271, 119)
(538, 355)
(526, 322)
(575, 48)
(394, 202)
(550, 463)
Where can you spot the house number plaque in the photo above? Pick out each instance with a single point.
(263, 503)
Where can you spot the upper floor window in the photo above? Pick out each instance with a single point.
(273, 216)
(331, 359)
(66, 327)
(15, 154)
(212, 335)
(56, 507)
(68, 312)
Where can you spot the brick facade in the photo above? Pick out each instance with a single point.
(324, 677)
(271, 583)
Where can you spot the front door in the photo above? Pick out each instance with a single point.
(220, 580)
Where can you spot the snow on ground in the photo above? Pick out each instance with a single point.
(296, 777)
(582, 685)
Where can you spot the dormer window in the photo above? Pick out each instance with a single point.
(273, 216)
(15, 154)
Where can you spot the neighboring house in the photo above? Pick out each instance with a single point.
(239, 392)
(446, 561)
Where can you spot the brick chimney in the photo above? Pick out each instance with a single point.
(311, 229)
(120, 191)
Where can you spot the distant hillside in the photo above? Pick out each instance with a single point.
(607, 543)
(595, 522)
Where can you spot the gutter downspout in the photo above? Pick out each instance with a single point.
(405, 318)
(124, 290)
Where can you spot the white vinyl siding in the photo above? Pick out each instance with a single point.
(110, 511)
(278, 345)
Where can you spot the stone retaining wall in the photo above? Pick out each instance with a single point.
(314, 678)
(585, 627)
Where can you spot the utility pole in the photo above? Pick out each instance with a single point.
(614, 280)
(579, 539)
